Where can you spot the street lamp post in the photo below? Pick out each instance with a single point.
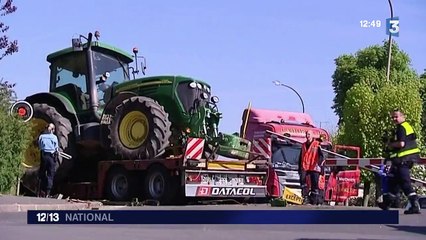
(278, 83)
(390, 44)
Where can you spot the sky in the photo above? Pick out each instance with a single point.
(239, 47)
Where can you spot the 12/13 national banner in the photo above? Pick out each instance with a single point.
(213, 217)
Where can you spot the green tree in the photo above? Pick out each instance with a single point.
(366, 117)
(7, 47)
(419, 171)
(14, 138)
(423, 96)
(14, 134)
(368, 65)
(364, 100)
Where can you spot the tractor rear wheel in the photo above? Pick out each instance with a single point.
(44, 114)
(139, 129)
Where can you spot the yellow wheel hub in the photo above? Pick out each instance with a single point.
(32, 154)
(133, 129)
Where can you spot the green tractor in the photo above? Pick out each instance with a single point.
(102, 112)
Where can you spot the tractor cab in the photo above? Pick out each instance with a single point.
(86, 74)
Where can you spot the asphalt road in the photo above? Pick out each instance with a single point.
(14, 226)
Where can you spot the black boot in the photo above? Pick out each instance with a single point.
(305, 195)
(314, 198)
(306, 201)
(396, 202)
(415, 206)
(383, 205)
(387, 202)
(47, 194)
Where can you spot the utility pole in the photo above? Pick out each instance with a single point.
(390, 43)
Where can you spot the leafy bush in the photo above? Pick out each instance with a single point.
(14, 139)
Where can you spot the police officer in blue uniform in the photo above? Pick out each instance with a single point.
(404, 154)
(48, 144)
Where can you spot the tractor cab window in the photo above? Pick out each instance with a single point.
(109, 70)
(193, 95)
(285, 154)
(68, 74)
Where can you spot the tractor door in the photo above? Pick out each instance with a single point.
(69, 77)
(108, 72)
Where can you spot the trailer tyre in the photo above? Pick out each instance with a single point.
(160, 185)
(140, 129)
(118, 184)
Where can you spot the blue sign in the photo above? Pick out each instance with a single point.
(213, 217)
(392, 26)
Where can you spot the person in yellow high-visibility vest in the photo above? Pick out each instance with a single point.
(404, 154)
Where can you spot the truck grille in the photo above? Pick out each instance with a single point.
(288, 178)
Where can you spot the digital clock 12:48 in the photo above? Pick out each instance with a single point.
(367, 24)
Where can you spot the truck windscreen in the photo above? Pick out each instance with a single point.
(285, 154)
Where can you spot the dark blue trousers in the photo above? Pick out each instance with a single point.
(47, 171)
(314, 178)
(401, 178)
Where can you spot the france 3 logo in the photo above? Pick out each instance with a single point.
(392, 26)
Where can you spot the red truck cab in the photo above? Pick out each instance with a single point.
(265, 129)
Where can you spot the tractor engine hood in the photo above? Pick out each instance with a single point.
(139, 83)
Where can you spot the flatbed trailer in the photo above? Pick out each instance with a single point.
(171, 179)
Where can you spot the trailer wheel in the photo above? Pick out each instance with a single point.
(159, 185)
(118, 184)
